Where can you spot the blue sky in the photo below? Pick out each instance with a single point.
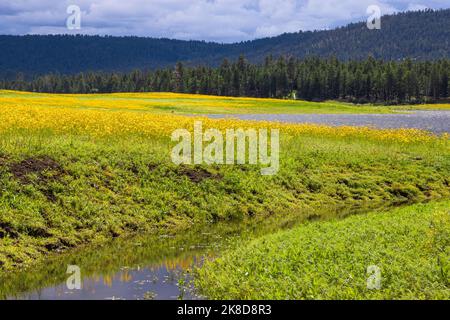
(210, 20)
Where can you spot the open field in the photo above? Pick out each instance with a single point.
(82, 170)
(330, 259)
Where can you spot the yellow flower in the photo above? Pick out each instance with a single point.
(120, 114)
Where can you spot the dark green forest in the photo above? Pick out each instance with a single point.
(369, 80)
(420, 35)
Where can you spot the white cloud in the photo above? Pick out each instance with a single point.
(416, 7)
(213, 20)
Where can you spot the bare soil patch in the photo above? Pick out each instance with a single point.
(198, 174)
(39, 166)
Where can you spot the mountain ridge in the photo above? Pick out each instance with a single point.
(420, 35)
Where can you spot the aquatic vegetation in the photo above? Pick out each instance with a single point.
(409, 247)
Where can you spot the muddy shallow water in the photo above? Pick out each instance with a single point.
(433, 121)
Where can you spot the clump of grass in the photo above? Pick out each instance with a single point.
(409, 246)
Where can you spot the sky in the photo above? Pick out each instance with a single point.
(211, 20)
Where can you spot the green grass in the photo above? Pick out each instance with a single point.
(61, 191)
(330, 260)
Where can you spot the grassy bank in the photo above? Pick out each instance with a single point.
(71, 176)
(330, 260)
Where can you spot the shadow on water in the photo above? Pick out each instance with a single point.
(146, 266)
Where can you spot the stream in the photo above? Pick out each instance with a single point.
(140, 267)
(152, 267)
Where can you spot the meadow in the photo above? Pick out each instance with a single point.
(179, 103)
(81, 170)
(196, 104)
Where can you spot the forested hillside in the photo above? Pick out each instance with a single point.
(423, 35)
(418, 35)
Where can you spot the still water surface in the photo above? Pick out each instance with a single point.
(433, 121)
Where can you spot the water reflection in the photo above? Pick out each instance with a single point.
(165, 281)
(144, 268)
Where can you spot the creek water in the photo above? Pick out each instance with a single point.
(140, 267)
(143, 267)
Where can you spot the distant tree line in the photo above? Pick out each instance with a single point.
(370, 80)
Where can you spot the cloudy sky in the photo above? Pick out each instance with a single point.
(211, 20)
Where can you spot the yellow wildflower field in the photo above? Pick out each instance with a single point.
(34, 113)
(181, 103)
